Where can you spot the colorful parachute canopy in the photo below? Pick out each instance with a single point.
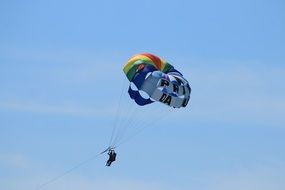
(153, 79)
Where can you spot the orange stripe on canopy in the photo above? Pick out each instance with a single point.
(156, 60)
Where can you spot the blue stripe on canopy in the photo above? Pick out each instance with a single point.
(134, 94)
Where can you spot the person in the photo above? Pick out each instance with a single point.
(112, 157)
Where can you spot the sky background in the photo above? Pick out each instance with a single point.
(61, 79)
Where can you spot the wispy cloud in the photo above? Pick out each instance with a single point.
(72, 110)
(261, 177)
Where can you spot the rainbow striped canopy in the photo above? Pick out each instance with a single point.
(135, 63)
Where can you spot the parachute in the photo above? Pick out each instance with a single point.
(149, 79)
(155, 80)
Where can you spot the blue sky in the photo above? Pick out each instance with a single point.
(61, 79)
